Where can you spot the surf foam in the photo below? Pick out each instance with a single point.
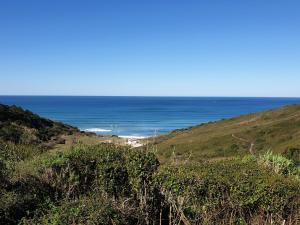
(97, 130)
(132, 137)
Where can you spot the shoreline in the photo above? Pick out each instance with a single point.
(95, 137)
(132, 140)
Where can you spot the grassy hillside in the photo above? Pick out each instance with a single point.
(108, 184)
(24, 127)
(277, 130)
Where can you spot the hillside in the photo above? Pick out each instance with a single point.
(65, 185)
(24, 127)
(277, 130)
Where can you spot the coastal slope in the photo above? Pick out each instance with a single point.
(24, 127)
(65, 184)
(276, 130)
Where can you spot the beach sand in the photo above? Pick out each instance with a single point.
(89, 138)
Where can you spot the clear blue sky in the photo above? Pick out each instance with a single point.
(150, 47)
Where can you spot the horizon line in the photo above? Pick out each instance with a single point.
(153, 96)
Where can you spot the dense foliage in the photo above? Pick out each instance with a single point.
(24, 127)
(109, 184)
(106, 184)
(231, 192)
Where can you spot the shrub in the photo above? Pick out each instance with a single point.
(112, 171)
(228, 193)
(106, 184)
(70, 173)
(11, 132)
(92, 209)
(108, 172)
(22, 198)
(18, 152)
(141, 167)
(277, 163)
(293, 154)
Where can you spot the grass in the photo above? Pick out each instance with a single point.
(209, 175)
(276, 130)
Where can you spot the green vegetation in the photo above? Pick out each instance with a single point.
(276, 130)
(106, 184)
(110, 184)
(278, 164)
(23, 127)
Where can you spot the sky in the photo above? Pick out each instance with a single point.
(150, 47)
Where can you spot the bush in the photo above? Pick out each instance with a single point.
(277, 163)
(22, 198)
(18, 152)
(11, 132)
(228, 193)
(293, 154)
(70, 173)
(112, 171)
(141, 167)
(92, 209)
(106, 184)
(115, 170)
(3, 173)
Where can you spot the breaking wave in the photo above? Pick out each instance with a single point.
(97, 130)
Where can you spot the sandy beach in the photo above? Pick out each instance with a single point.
(90, 138)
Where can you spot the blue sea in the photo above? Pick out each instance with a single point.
(141, 116)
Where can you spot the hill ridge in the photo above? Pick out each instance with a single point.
(275, 129)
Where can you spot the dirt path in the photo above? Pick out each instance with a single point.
(247, 141)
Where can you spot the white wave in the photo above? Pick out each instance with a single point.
(133, 137)
(97, 130)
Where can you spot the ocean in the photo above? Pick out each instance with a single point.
(141, 116)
